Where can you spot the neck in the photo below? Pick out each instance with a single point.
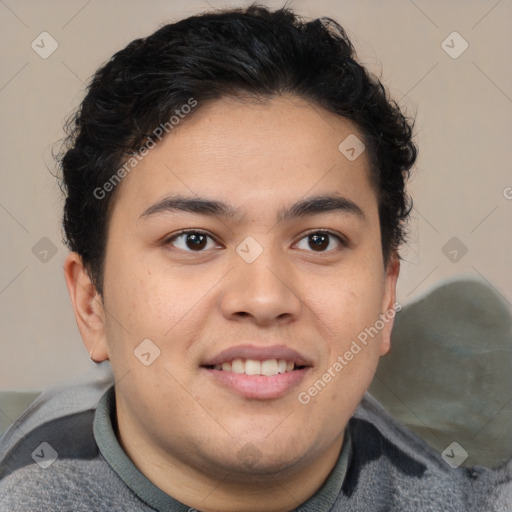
(211, 488)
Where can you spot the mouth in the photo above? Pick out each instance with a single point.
(267, 367)
(256, 372)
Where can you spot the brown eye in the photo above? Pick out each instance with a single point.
(195, 241)
(191, 241)
(320, 241)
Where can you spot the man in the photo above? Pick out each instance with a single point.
(235, 202)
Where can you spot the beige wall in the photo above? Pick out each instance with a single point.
(464, 128)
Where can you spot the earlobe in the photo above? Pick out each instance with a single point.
(389, 303)
(88, 307)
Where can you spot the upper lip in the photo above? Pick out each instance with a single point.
(260, 353)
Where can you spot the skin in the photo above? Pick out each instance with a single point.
(181, 428)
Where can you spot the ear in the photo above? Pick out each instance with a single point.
(389, 304)
(88, 307)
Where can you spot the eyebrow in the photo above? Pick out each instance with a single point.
(305, 207)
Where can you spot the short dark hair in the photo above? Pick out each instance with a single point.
(252, 52)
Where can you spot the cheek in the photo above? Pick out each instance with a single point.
(146, 305)
(347, 302)
(161, 304)
(146, 299)
(346, 312)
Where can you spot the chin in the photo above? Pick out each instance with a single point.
(264, 470)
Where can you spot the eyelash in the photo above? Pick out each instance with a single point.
(343, 243)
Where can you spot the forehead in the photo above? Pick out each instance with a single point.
(249, 153)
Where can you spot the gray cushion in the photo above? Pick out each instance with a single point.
(12, 404)
(448, 376)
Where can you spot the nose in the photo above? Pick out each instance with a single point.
(262, 292)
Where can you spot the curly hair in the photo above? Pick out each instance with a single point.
(251, 52)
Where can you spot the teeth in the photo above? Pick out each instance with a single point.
(267, 367)
(237, 366)
(252, 367)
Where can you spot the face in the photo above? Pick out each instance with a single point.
(246, 312)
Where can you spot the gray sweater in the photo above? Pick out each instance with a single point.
(62, 455)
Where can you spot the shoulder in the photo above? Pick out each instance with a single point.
(412, 473)
(58, 406)
(80, 485)
(49, 459)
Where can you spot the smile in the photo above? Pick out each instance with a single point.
(267, 367)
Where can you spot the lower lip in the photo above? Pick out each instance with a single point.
(259, 387)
